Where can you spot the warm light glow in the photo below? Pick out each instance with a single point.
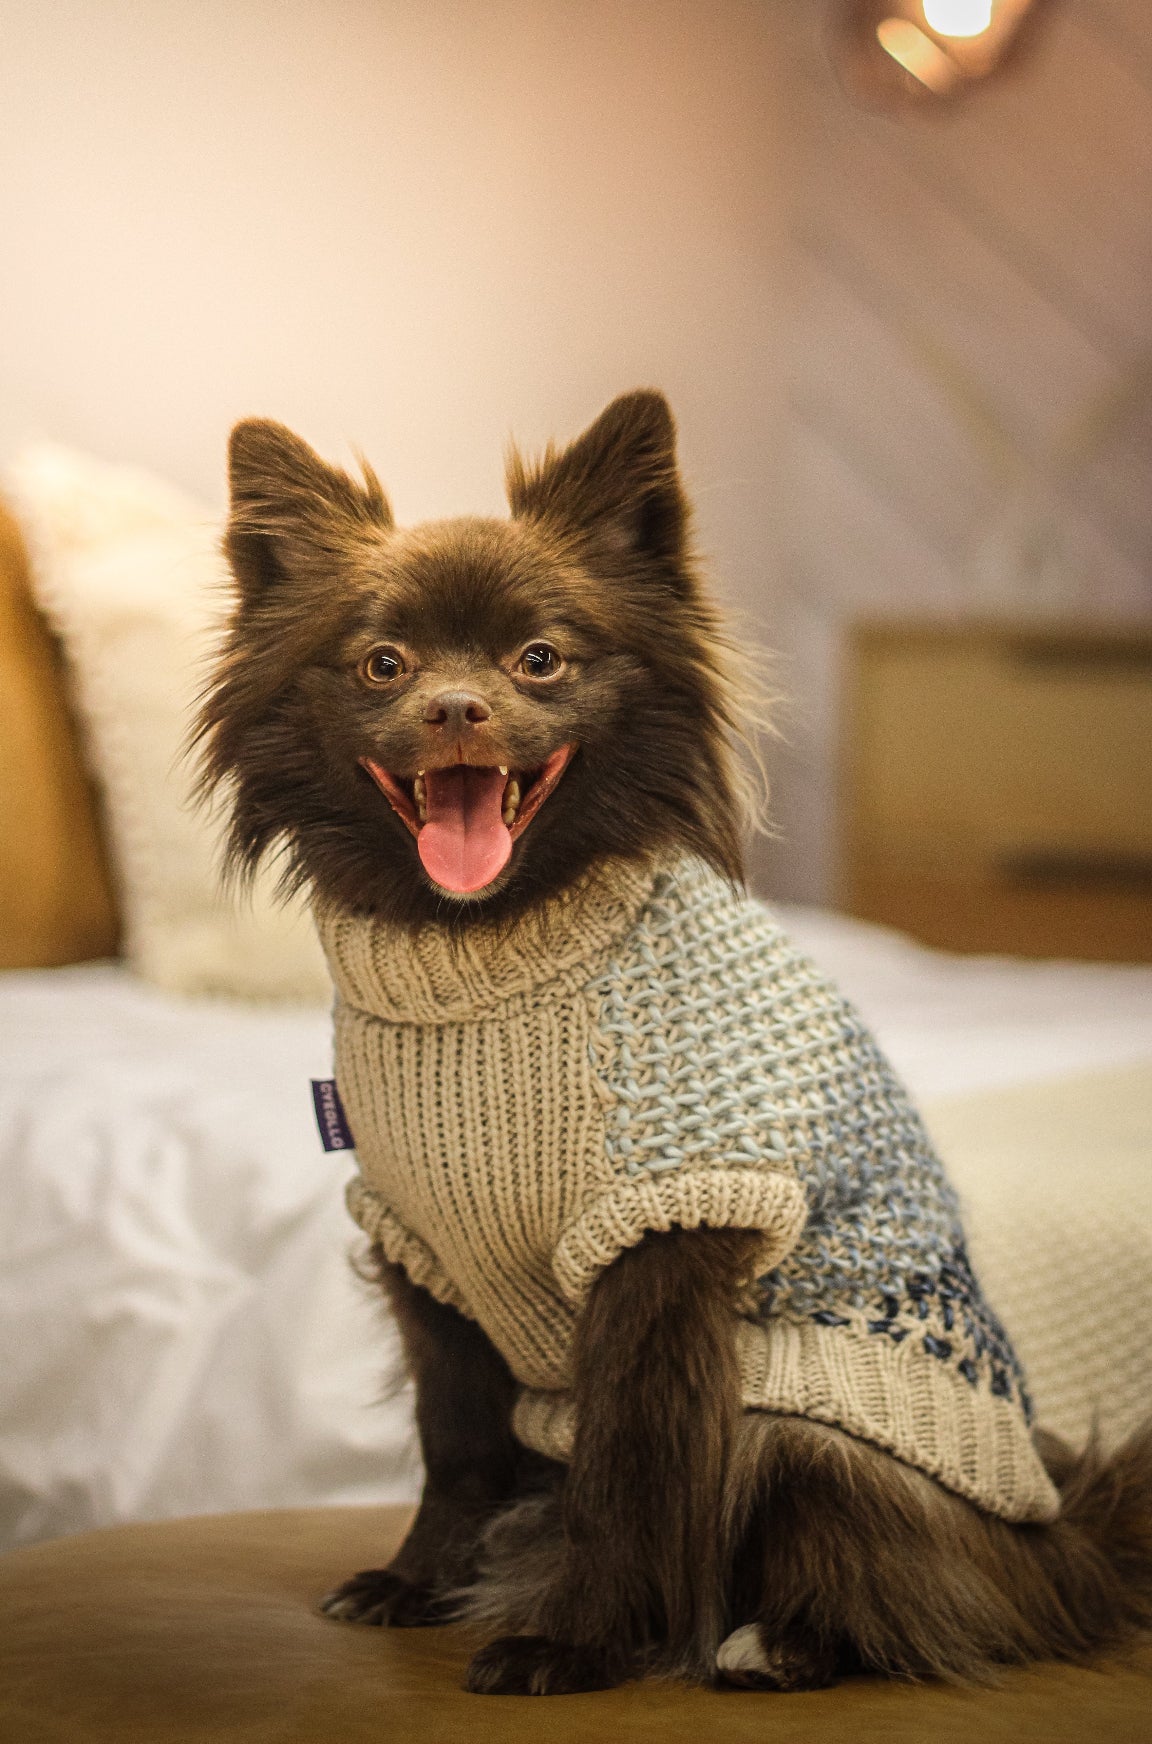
(917, 54)
(958, 17)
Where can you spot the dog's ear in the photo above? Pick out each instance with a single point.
(291, 513)
(617, 485)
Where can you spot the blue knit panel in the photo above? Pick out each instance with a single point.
(730, 1048)
(676, 1008)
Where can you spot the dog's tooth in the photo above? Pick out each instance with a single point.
(503, 768)
(420, 798)
(511, 802)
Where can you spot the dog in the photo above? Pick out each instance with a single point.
(668, 1250)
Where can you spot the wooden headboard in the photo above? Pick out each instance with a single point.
(997, 785)
(57, 901)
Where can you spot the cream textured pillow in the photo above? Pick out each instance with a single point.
(129, 574)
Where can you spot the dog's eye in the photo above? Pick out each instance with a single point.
(382, 665)
(540, 660)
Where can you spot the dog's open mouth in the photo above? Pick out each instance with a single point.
(465, 818)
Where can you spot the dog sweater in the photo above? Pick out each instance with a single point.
(649, 1050)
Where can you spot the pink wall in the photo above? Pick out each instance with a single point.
(411, 227)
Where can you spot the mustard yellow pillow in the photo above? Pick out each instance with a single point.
(56, 898)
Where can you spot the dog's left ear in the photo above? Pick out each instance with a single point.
(617, 485)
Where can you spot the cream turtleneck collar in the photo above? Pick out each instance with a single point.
(444, 974)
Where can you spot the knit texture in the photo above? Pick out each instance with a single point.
(649, 1051)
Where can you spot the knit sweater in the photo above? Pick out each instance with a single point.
(648, 1050)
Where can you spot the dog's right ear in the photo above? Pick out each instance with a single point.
(292, 514)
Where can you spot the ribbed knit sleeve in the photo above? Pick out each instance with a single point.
(399, 1245)
(773, 1203)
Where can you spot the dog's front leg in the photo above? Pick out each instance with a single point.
(472, 1462)
(657, 1395)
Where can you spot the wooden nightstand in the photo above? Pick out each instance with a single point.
(996, 786)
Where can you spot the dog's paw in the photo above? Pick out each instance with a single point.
(531, 1665)
(378, 1596)
(791, 1663)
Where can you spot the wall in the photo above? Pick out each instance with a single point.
(970, 367)
(412, 227)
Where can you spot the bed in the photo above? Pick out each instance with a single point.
(182, 1332)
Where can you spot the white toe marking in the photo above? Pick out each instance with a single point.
(743, 1651)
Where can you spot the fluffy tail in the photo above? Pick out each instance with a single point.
(1098, 1555)
(863, 1563)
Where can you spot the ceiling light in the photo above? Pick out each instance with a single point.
(958, 17)
(905, 55)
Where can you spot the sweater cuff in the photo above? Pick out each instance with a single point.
(400, 1246)
(719, 1198)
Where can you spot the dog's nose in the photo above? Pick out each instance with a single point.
(456, 709)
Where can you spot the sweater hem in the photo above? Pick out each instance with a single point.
(719, 1198)
(898, 1398)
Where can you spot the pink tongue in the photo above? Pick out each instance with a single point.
(465, 843)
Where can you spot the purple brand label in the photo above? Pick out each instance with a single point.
(335, 1133)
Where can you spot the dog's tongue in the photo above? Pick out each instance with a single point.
(465, 843)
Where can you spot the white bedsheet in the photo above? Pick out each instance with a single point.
(951, 1024)
(179, 1326)
(179, 1329)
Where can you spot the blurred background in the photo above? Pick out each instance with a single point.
(891, 262)
(910, 348)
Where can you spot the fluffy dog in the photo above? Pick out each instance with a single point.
(704, 1382)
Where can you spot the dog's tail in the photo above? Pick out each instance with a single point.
(1098, 1555)
(867, 1563)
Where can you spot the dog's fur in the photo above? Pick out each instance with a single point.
(686, 1536)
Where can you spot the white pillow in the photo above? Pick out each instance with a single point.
(128, 572)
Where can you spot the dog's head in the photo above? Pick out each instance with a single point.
(460, 718)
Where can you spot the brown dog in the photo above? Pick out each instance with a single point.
(451, 732)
